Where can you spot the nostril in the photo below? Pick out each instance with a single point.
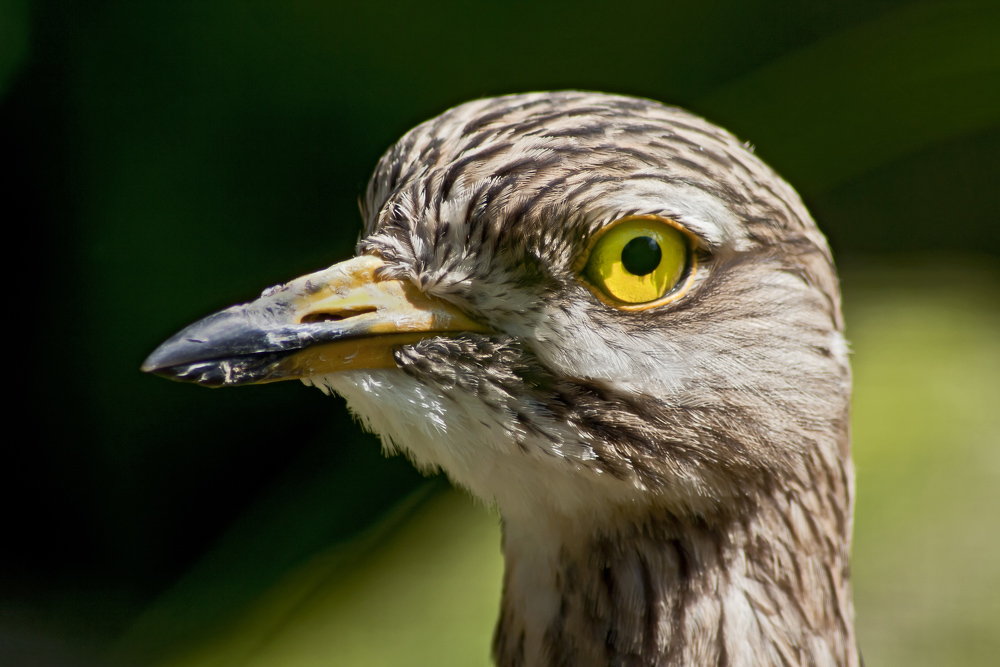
(335, 316)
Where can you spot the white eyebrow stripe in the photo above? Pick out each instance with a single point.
(703, 214)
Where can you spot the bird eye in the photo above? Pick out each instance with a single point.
(637, 262)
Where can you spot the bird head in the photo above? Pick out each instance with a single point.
(577, 305)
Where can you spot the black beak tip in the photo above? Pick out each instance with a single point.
(223, 334)
(175, 351)
(190, 356)
(178, 359)
(234, 346)
(154, 362)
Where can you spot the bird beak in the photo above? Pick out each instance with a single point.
(343, 318)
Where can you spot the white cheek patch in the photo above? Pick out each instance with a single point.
(638, 362)
(476, 444)
(408, 416)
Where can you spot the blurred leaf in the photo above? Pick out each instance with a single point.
(15, 28)
(865, 96)
(328, 495)
(420, 588)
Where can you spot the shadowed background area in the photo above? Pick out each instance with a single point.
(162, 161)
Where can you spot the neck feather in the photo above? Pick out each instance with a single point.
(766, 586)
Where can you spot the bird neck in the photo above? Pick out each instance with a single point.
(766, 587)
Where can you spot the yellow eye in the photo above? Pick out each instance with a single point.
(637, 262)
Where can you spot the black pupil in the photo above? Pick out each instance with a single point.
(641, 255)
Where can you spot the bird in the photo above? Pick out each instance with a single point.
(610, 320)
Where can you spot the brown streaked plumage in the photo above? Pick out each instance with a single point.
(675, 483)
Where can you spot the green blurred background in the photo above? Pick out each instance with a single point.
(162, 160)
